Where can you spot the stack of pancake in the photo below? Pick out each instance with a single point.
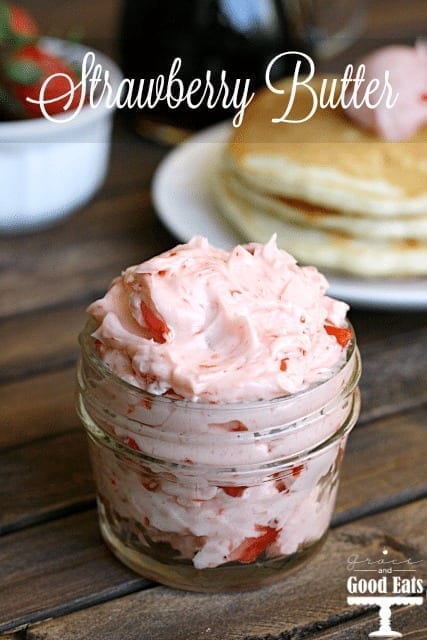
(336, 196)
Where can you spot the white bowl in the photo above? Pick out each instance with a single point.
(48, 169)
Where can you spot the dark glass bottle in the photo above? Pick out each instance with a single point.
(239, 36)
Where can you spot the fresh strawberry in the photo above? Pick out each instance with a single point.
(251, 548)
(24, 72)
(16, 26)
(341, 334)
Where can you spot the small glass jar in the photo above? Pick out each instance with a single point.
(214, 497)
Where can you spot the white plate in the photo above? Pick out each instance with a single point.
(184, 204)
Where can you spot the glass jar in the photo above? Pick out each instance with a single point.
(212, 497)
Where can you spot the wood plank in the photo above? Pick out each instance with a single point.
(31, 492)
(97, 20)
(52, 272)
(394, 375)
(38, 406)
(384, 460)
(371, 325)
(47, 567)
(411, 621)
(279, 610)
(39, 342)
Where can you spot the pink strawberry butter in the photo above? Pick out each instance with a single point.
(218, 388)
(407, 70)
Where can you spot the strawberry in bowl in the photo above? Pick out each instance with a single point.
(24, 72)
(51, 161)
(17, 27)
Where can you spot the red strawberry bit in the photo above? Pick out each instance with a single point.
(154, 323)
(341, 334)
(234, 492)
(132, 444)
(296, 470)
(281, 486)
(283, 364)
(236, 425)
(147, 403)
(251, 548)
(424, 97)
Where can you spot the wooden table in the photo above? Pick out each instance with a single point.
(57, 579)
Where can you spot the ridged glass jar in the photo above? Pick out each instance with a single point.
(214, 497)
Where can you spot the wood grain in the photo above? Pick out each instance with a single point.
(51, 567)
(403, 618)
(44, 480)
(160, 613)
(37, 406)
(394, 374)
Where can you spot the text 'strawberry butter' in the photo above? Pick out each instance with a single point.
(218, 389)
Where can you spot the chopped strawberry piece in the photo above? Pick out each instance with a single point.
(147, 403)
(155, 324)
(424, 97)
(234, 492)
(341, 334)
(236, 425)
(132, 444)
(251, 548)
(296, 470)
(281, 486)
(283, 364)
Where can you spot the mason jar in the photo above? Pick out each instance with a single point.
(211, 496)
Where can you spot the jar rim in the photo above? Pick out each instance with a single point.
(86, 342)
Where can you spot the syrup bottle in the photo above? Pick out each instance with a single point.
(239, 36)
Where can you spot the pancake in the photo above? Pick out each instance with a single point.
(337, 196)
(374, 257)
(307, 214)
(328, 160)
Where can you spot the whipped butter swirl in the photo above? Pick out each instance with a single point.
(220, 326)
(407, 69)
